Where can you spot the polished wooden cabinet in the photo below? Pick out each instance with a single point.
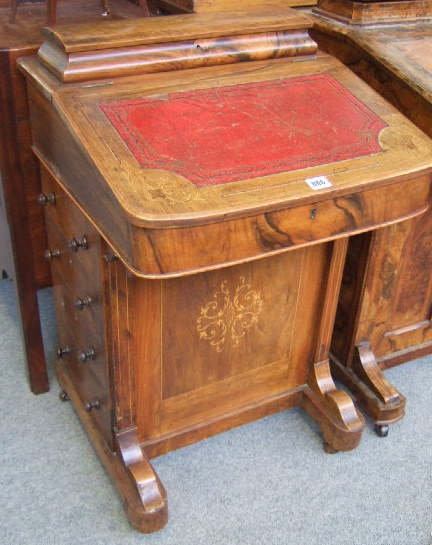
(199, 205)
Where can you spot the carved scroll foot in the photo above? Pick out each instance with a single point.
(142, 493)
(146, 482)
(332, 409)
(374, 393)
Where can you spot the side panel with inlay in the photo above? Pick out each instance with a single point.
(226, 339)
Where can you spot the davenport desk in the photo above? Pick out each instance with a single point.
(204, 175)
(389, 45)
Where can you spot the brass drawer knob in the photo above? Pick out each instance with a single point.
(88, 354)
(45, 199)
(49, 255)
(63, 351)
(93, 404)
(74, 244)
(82, 302)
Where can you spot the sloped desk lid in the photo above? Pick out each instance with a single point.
(207, 144)
(168, 165)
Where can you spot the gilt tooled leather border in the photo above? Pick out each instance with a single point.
(228, 134)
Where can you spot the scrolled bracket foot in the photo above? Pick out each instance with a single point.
(150, 490)
(373, 391)
(332, 409)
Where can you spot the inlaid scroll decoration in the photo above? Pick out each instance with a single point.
(158, 187)
(229, 314)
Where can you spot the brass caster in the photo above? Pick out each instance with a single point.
(381, 431)
(63, 396)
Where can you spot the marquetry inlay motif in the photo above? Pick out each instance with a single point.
(229, 314)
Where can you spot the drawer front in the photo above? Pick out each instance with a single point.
(89, 377)
(82, 274)
(60, 208)
(78, 291)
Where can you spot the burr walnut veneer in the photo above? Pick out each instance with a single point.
(387, 313)
(200, 201)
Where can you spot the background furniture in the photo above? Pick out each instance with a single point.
(394, 325)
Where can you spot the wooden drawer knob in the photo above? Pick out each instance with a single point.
(63, 351)
(74, 244)
(82, 302)
(49, 255)
(45, 199)
(88, 354)
(93, 404)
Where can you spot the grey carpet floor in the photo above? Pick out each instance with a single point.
(268, 482)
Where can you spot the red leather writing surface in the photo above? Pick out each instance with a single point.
(227, 134)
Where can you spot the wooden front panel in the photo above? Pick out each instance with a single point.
(231, 319)
(208, 345)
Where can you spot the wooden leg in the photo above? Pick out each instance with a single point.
(332, 409)
(142, 493)
(373, 391)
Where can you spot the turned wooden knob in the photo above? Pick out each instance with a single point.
(110, 257)
(93, 404)
(74, 244)
(82, 302)
(45, 199)
(63, 351)
(63, 395)
(49, 255)
(88, 354)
